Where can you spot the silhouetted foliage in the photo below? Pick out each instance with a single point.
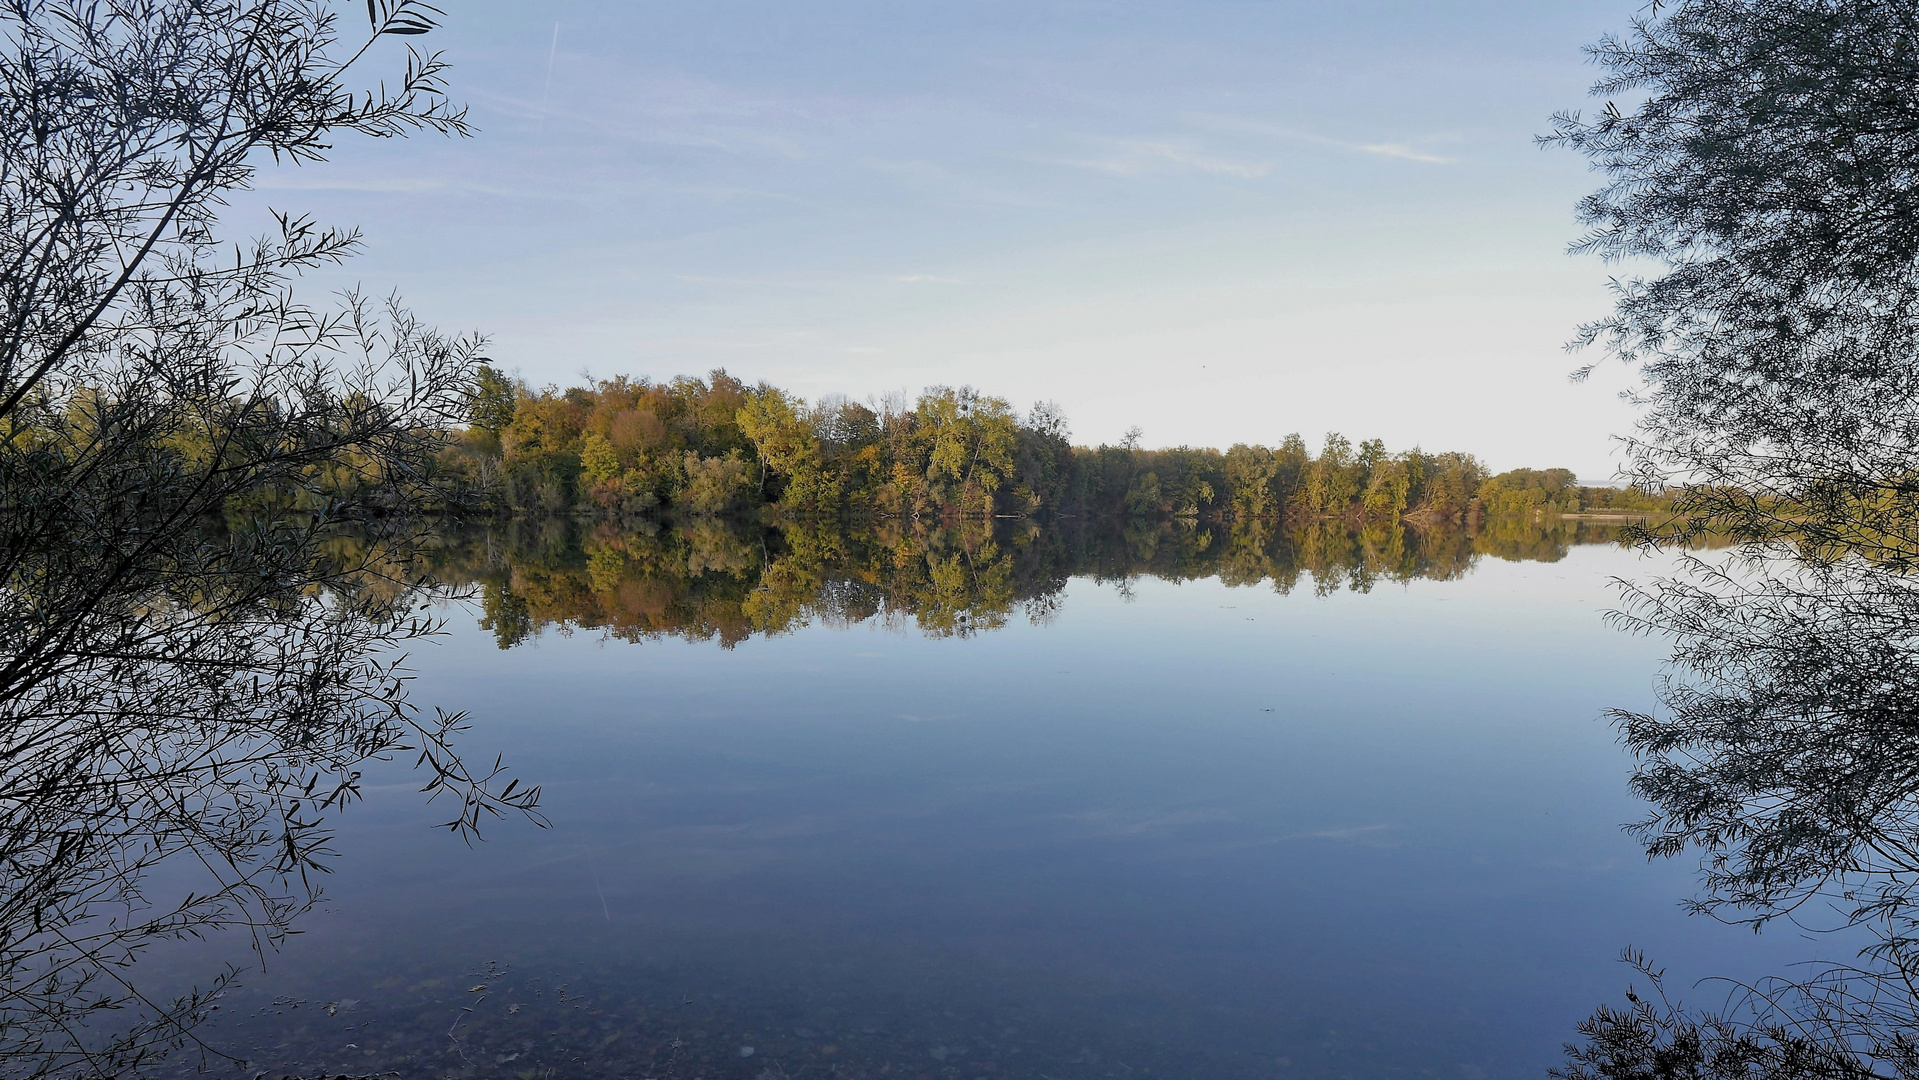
(209, 501)
(1768, 170)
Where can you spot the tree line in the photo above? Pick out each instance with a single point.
(718, 447)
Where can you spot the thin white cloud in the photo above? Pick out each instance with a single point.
(1357, 833)
(1398, 151)
(937, 180)
(751, 282)
(318, 181)
(718, 193)
(912, 170)
(295, 182)
(684, 114)
(1123, 823)
(1132, 157)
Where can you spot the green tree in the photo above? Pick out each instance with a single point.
(599, 462)
(1389, 486)
(715, 485)
(494, 398)
(789, 448)
(1250, 471)
(969, 442)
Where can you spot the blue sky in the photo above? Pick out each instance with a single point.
(1219, 221)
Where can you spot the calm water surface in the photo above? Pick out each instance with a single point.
(1178, 830)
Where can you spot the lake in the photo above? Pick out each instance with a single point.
(1121, 823)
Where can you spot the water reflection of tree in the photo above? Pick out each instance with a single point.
(1785, 758)
(1768, 167)
(209, 498)
(703, 579)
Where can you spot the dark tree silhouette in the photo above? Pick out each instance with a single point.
(1770, 170)
(209, 497)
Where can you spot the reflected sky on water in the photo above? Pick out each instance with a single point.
(1178, 829)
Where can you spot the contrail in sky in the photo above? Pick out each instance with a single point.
(551, 52)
